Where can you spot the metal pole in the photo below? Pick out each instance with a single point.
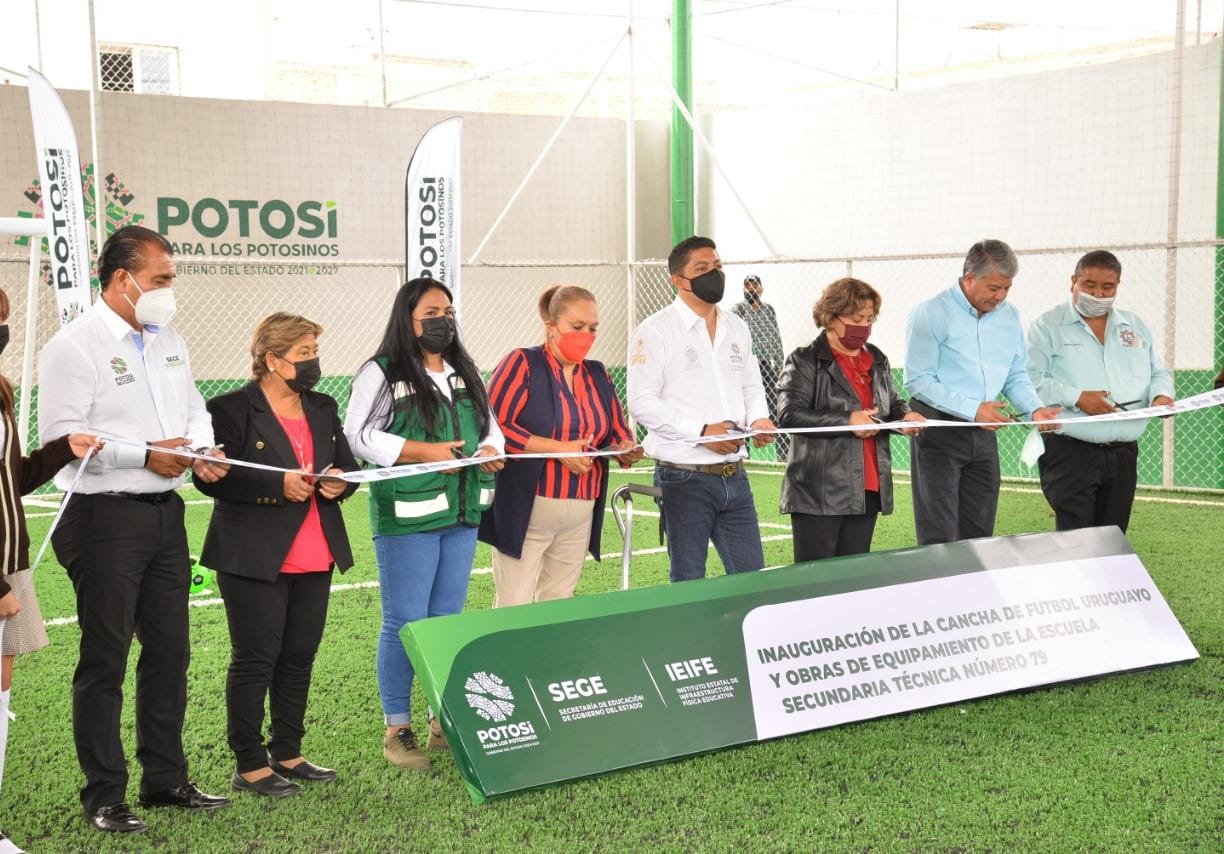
(1218, 439)
(681, 128)
(709, 150)
(95, 85)
(382, 53)
(1170, 300)
(38, 39)
(1219, 230)
(31, 341)
(630, 189)
(897, 46)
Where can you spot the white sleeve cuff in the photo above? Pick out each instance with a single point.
(127, 456)
(383, 449)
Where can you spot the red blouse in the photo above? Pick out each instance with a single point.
(857, 370)
(581, 415)
(309, 552)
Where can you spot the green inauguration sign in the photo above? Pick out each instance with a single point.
(554, 691)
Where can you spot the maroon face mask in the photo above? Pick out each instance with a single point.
(854, 337)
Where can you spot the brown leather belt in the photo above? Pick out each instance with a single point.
(720, 469)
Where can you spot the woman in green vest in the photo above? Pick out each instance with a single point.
(421, 399)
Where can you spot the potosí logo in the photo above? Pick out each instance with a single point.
(274, 220)
(490, 697)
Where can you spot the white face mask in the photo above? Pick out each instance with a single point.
(1090, 306)
(155, 307)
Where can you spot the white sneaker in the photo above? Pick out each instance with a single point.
(7, 846)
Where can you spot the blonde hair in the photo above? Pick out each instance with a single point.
(843, 298)
(276, 334)
(555, 300)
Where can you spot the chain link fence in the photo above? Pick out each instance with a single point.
(220, 303)
(1185, 452)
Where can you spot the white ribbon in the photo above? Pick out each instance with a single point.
(60, 510)
(361, 475)
(1206, 400)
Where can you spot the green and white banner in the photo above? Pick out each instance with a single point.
(59, 173)
(432, 217)
(543, 693)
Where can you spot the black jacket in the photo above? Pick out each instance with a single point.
(253, 526)
(824, 476)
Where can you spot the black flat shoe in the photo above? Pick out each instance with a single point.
(303, 771)
(272, 786)
(116, 818)
(186, 796)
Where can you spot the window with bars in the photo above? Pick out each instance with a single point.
(139, 69)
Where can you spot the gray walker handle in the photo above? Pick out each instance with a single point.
(624, 519)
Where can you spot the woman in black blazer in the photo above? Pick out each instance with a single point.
(274, 539)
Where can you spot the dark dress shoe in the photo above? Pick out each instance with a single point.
(303, 771)
(273, 786)
(186, 796)
(117, 818)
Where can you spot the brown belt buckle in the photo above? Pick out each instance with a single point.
(728, 469)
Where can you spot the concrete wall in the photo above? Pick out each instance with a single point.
(1076, 158)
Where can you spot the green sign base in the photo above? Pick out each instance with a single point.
(543, 693)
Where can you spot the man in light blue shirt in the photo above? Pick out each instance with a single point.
(1091, 358)
(965, 346)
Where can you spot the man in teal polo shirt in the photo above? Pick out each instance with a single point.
(964, 346)
(1091, 358)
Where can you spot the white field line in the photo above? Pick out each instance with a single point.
(337, 588)
(772, 525)
(1021, 490)
(367, 585)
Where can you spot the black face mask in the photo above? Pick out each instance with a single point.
(752, 297)
(4, 336)
(437, 333)
(306, 376)
(709, 286)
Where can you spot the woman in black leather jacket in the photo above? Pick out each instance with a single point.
(836, 484)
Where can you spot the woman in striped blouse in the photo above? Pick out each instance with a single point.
(547, 514)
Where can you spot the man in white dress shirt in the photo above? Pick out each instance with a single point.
(691, 374)
(120, 370)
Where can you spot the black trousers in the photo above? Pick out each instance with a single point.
(130, 569)
(955, 473)
(1089, 484)
(819, 537)
(275, 628)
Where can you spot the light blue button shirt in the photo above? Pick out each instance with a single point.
(1065, 358)
(955, 360)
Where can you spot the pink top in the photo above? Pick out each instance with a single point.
(309, 552)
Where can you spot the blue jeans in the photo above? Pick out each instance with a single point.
(419, 575)
(701, 507)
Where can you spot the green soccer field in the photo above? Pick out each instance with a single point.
(1123, 763)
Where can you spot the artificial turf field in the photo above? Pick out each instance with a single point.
(1128, 763)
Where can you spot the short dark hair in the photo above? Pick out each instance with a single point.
(1099, 259)
(125, 250)
(680, 252)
